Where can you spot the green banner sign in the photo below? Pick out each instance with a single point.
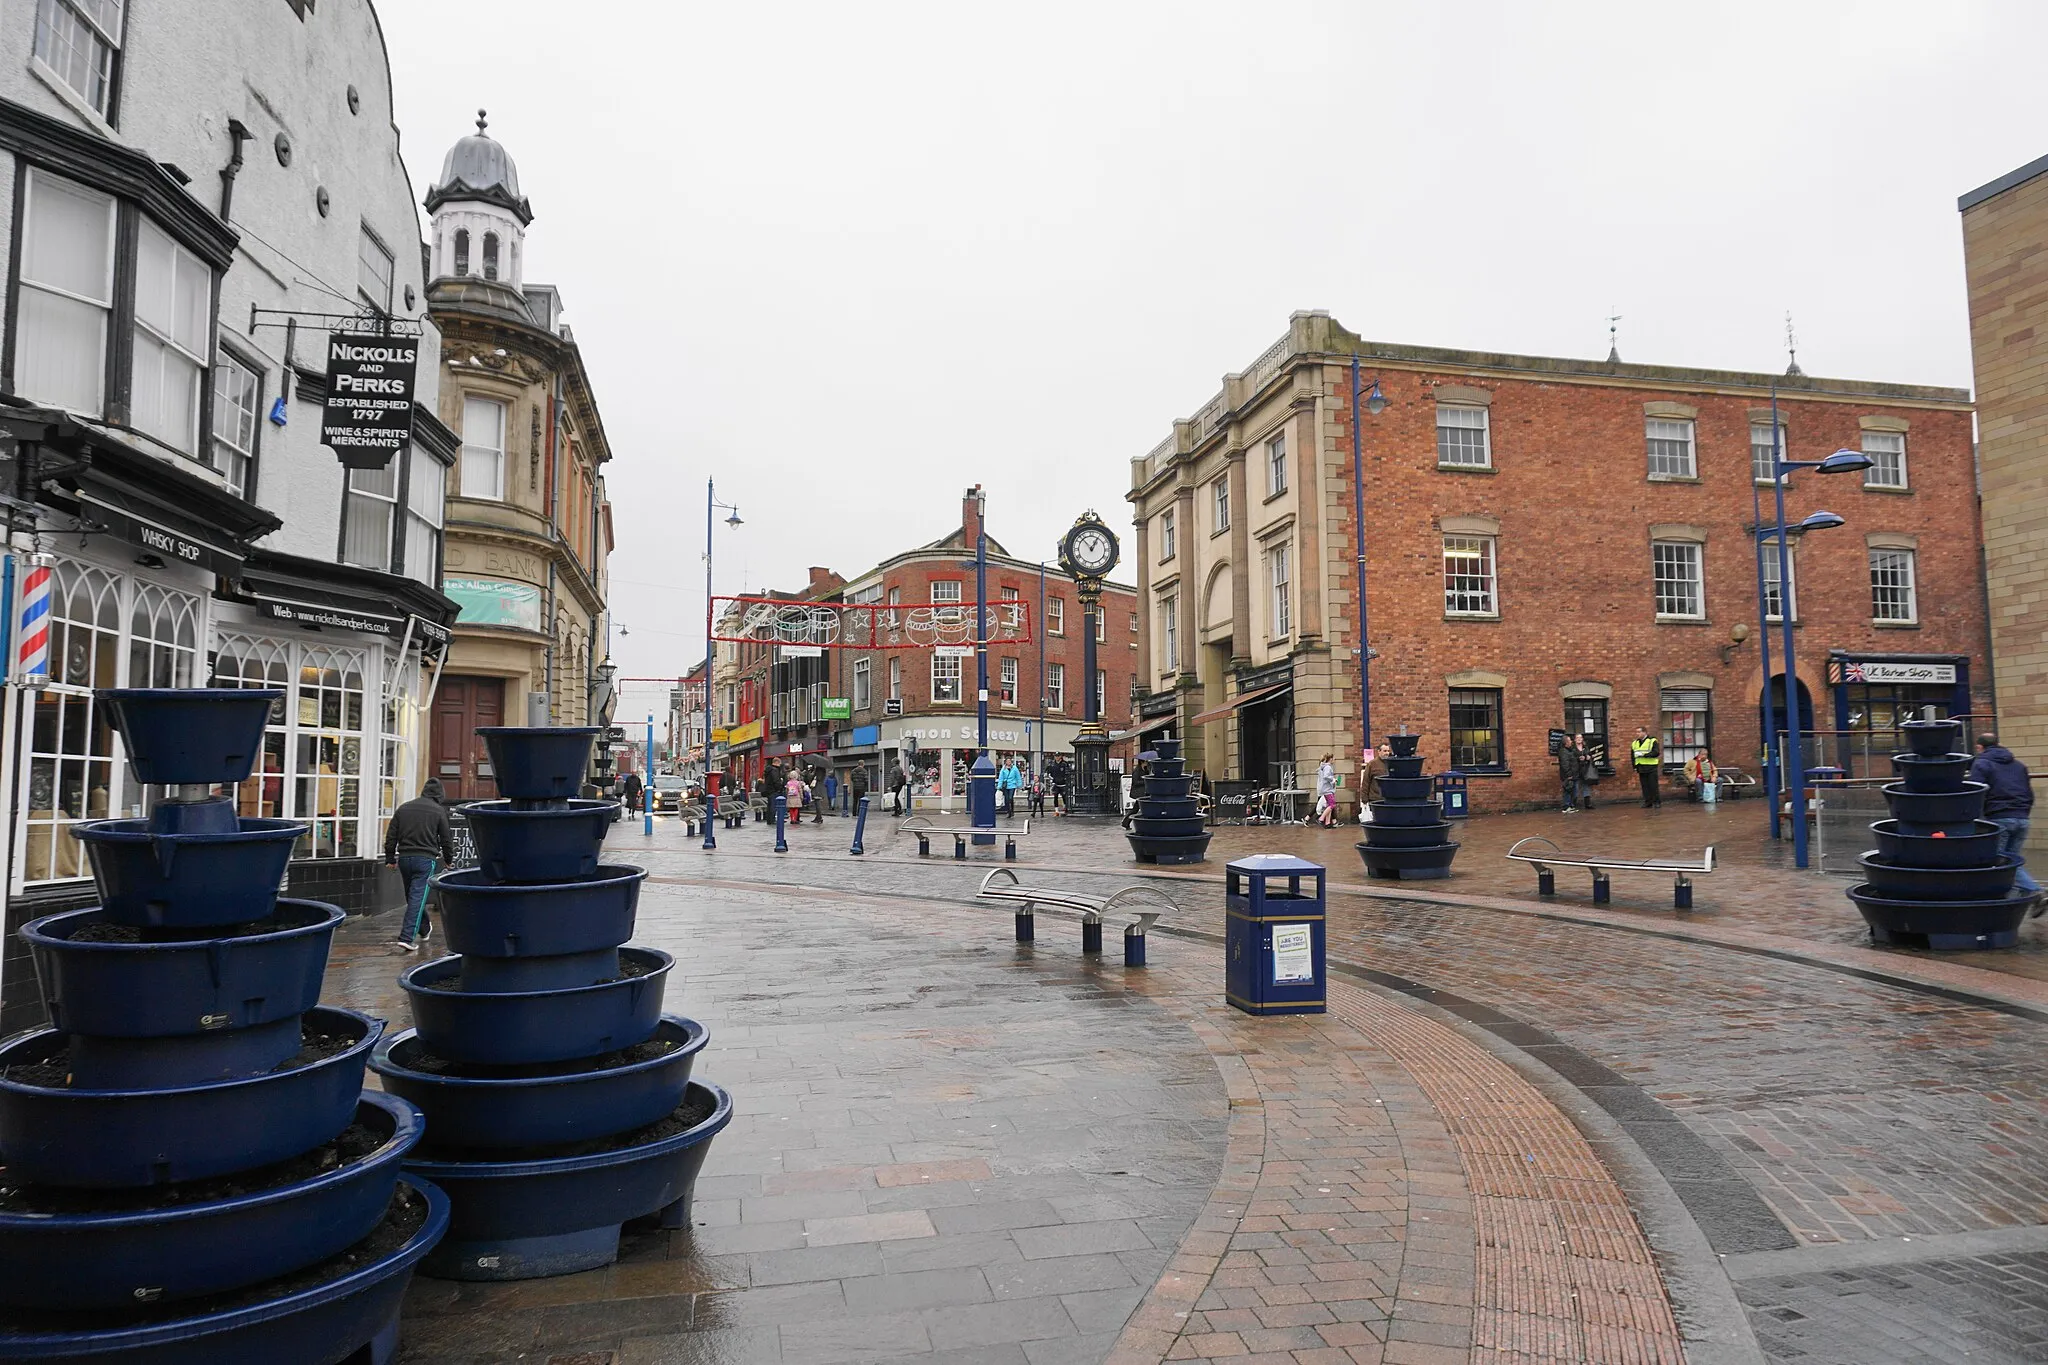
(838, 708)
(494, 602)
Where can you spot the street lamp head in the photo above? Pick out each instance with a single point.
(1843, 462)
(1375, 402)
(1819, 521)
(734, 519)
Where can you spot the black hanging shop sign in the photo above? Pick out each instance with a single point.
(367, 416)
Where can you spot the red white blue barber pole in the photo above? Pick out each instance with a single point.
(33, 667)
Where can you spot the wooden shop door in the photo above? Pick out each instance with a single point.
(460, 761)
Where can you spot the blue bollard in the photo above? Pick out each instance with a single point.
(781, 805)
(1134, 947)
(860, 826)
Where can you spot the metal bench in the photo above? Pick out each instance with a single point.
(1545, 863)
(1091, 908)
(924, 829)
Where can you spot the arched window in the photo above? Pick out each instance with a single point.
(490, 255)
(462, 251)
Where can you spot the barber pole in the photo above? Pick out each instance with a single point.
(33, 668)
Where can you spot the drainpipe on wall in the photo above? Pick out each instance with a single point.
(240, 135)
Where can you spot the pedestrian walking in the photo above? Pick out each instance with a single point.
(860, 788)
(2009, 805)
(1369, 781)
(832, 790)
(1326, 792)
(630, 790)
(793, 794)
(1570, 772)
(1589, 774)
(1037, 790)
(1137, 792)
(1648, 756)
(896, 783)
(419, 840)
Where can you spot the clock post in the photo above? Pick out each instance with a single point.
(1089, 552)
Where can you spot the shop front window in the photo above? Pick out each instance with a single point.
(312, 765)
(71, 775)
(260, 664)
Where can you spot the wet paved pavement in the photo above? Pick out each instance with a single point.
(1790, 1113)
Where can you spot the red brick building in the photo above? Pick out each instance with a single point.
(1550, 544)
(903, 690)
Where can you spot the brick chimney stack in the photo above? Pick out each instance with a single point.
(972, 505)
(824, 581)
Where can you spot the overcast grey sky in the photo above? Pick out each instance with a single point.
(852, 259)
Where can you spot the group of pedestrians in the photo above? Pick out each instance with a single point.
(1577, 768)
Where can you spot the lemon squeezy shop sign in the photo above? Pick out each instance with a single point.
(367, 417)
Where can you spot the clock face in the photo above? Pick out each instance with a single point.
(1091, 550)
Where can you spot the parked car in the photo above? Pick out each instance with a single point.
(670, 791)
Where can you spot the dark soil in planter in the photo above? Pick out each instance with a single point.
(128, 933)
(428, 1063)
(54, 1072)
(628, 969)
(404, 1217)
(349, 1146)
(697, 1106)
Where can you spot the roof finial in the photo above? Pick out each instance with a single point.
(1613, 339)
(480, 122)
(1791, 346)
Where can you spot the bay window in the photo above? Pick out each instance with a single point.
(426, 484)
(237, 405)
(66, 299)
(372, 504)
(173, 321)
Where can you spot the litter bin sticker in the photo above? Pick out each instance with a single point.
(1292, 959)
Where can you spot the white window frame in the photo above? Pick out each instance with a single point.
(1219, 505)
(1281, 598)
(946, 678)
(1871, 476)
(371, 253)
(1006, 682)
(1908, 561)
(1101, 625)
(1166, 535)
(1675, 552)
(1661, 433)
(1456, 454)
(863, 684)
(237, 418)
(1760, 470)
(1276, 464)
(1101, 693)
(1169, 626)
(79, 43)
(26, 336)
(1055, 687)
(1056, 616)
(180, 360)
(1458, 600)
(362, 498)
(489, 481)
(1770, 580)
(427, 569)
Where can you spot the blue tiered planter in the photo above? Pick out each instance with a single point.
(558, 1096)
(1406, 838)
(190, 1169)
(1936, 878)
(1167, 827)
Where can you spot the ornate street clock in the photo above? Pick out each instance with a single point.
(1088, 551)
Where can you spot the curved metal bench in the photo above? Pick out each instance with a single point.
(1091, 909)
(1546, 878)
(924, 829)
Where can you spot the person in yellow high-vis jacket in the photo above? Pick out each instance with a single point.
(1648, 756)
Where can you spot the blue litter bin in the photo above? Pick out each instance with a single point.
(1450, 791)
(1274, 959)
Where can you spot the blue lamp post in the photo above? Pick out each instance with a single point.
(711, 506)
(1374, 403)
(1841, 462)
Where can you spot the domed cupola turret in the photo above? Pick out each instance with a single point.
(479, 215)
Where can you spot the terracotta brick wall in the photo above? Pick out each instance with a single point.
(1570, 491)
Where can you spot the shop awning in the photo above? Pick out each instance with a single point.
(1240, 701)
(317, 592)
(1156, 723)
(151, 501)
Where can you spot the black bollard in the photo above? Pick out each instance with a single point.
(1091, 936)
(1027, 925)
(860, 826)
(1546, 882)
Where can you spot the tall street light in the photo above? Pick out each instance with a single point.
(711, 506)
(1841, 462)
(1374, 403)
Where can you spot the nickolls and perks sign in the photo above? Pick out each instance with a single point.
(367, 418)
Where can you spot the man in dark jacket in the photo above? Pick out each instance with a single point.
(418, 841)
(1570, 767)
(860, 788)
(2009, 804)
